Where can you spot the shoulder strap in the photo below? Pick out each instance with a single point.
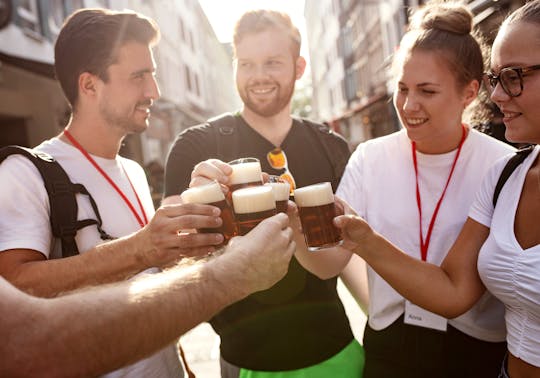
(333, 147)
(225, 135)
(509, 168)
(62, 200)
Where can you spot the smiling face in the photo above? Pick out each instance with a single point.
(518, 45)
(126, 97)
(266, 71)
(428, 102)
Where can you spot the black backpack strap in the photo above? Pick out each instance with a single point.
(225, 136)
(62, 200)
(333, 146)
(509, 168)
(79, 188)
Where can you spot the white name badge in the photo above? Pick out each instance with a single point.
(418, 316)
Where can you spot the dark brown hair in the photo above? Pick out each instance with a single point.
(446, 27)
(89, 42)
(257, 21)
(530, 12)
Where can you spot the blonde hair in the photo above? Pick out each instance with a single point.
(260, 20)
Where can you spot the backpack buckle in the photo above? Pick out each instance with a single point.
(60, 187)
(67, 231)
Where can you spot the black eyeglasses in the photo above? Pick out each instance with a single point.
(510, 78)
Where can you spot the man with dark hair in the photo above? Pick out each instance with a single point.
(105, 65)
(297, 328)
(90, 42)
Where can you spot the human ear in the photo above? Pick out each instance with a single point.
(87, 84)
(300, 67)
(470, 92)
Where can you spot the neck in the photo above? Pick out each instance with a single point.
(274, 128)
(95, 137)
(442, 145)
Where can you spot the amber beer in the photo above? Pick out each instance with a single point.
(211, 194)
(246, 172)
(317, 211)
(281, 192)
(251, 206)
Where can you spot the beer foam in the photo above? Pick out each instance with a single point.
(245, 172)
(281, 190)
(209, 193)
(314, 195)
(253, 199)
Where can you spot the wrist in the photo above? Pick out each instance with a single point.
(228, 275)
(142, 249)
(368, 246)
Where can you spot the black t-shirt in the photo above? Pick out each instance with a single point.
(300, 321)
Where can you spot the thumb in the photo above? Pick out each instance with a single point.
(353, 227)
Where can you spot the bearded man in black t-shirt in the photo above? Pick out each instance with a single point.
(298, 326)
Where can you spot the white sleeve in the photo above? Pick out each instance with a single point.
(482, 207)
(24, 207)
(350, 188)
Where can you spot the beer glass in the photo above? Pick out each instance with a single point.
(246, 172)
(251, 206)
(211, 194)
(281, 190)
(317, 211)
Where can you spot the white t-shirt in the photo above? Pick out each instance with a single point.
(379, 183)
(509, 272)
(24, 219)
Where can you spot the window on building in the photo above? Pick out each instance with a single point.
(191, 41)
(188, 78)
(347, 42)
(197, 86)
(55, 17)
(350, 85)
(182, 30)
(72, 5)
(28, 17)
(102, 3)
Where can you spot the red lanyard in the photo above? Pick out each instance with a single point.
(424, 245)
(111, 182)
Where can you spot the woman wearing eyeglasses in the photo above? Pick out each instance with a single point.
(498, 248)
(415, 187)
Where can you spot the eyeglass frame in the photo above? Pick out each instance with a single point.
(492, 78)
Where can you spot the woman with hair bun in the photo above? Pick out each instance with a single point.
(415, 188)
(498, 248)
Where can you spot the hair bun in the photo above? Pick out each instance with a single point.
(449, 17)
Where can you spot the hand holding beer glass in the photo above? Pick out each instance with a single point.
(211, 194)
(317, 211)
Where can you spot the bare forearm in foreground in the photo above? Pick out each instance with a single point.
(133, 320)
(90, 332)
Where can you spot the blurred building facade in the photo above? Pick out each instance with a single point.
(351, 43)
(194, 72)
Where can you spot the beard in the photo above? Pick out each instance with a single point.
(123, 120)
(273, 106)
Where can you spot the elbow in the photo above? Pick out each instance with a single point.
(451, 313)
(28, 285)
(454, 309)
